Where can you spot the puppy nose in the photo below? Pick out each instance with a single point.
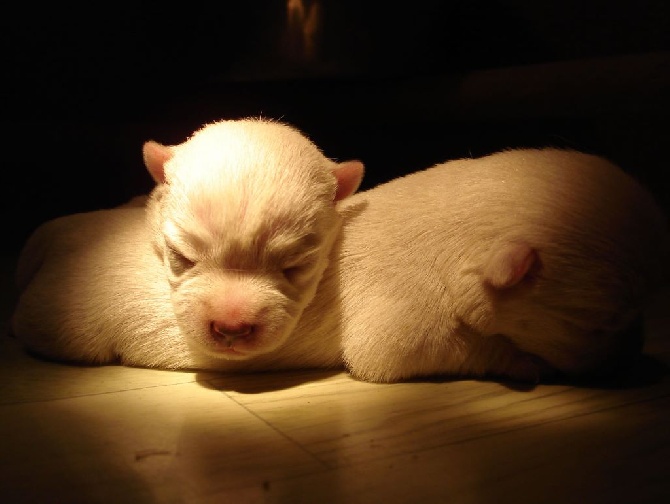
(228, 333)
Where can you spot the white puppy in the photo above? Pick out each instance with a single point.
(516, 264)
(236, 237)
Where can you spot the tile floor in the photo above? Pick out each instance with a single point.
(114, 434)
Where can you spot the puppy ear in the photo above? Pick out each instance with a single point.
(155, 155)
(349, 175)
(509, 265)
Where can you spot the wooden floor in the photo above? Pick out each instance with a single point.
(114, 434)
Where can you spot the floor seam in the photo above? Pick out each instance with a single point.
(322, 463)
(94, 394)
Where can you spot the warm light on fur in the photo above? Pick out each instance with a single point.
(253, 253)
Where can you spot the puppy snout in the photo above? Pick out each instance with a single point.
(229, 333)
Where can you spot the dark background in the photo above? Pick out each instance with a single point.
(400, 86)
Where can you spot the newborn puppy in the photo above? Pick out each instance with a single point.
(521, 264)
(236, 237)
(244, 218)
(517, 264)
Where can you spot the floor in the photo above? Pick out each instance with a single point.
(114, 434)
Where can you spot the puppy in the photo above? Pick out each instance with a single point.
(214, 273)
(256, 254)
(523, 264)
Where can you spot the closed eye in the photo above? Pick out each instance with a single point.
(294, 271)
(291, 273)
(177, 261)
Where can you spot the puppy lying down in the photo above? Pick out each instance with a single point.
(254, 253)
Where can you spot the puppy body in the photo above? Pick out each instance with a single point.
(517, 264)
(254, 254)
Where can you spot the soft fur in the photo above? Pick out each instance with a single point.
(253, 253)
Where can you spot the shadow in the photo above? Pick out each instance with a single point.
(645, 371)
(71, 363)
(259, 382)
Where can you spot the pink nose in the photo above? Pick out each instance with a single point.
(229, 333)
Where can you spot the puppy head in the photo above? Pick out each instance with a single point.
(244, 215)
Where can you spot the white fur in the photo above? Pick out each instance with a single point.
(514, 264)
(450, 270)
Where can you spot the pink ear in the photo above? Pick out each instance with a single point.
(509, 265)
(155, 155)
(349, 175)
